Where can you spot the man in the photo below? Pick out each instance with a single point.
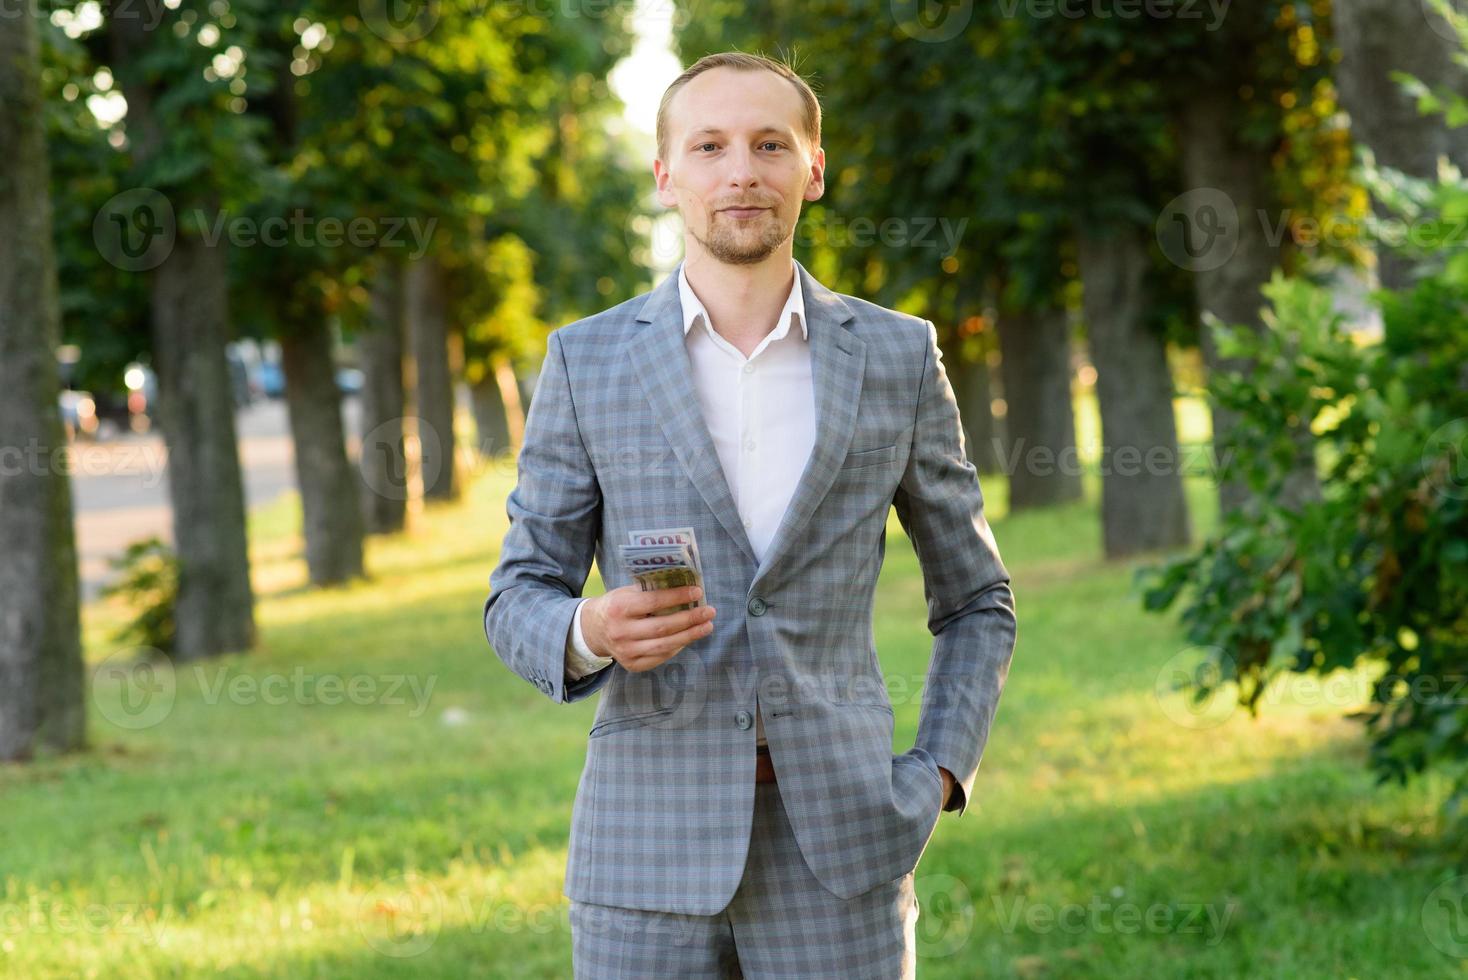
(741, 812)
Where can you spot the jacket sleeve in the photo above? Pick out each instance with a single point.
(555, 517)
(970, 606)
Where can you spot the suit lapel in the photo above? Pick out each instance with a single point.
(838, 363)
(660, 357)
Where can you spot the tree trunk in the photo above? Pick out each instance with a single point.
(427, 305)
(962, 305)
(41, 673)
(190, 312)
(975, 393)
(1143, 507)
(196, 411)
(490, 417)
(1376, 38)
(330, 495)
(381, 458)
(1215, 157)
(1040, 454)
(525, 387)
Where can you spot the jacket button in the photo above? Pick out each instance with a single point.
(743, 720)
(757, 606)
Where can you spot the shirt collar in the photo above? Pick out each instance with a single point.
(692, 307)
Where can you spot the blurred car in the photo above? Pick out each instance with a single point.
(110, 403)
(78, 414)
(348, 381)
(270, 379)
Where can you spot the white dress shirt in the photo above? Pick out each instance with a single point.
(761, 414)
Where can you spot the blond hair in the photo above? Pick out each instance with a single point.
(740, 61)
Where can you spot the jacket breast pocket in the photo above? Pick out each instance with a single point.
(869, 457)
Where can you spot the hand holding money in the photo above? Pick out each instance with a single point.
(643, 625)
(643, 629)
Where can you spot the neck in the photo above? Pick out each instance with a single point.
(742, 300)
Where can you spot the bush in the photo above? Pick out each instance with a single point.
(1376, 570)
(149, 585)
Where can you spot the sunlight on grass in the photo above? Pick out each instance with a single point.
(420, 829)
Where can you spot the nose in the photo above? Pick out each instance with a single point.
(740, 162)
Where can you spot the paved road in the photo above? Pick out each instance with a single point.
(120, 485)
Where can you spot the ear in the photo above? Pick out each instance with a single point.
(667, 197)
(817, 185)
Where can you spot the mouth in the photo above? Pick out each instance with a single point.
(744, 213)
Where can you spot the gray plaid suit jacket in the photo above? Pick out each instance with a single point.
(614, 441)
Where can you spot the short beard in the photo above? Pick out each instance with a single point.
(731, 249)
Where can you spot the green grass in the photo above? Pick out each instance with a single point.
(246, 838)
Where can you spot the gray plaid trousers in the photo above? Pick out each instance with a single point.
(780, 923)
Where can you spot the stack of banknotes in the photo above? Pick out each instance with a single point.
(664, 558)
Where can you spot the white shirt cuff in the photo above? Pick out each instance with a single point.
(580, 661)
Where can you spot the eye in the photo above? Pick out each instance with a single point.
(702, 145)
(777, 146)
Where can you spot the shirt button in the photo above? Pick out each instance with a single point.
(743, 720)
(748, 522)
(749, 369)
(749, 446)
(757, 606)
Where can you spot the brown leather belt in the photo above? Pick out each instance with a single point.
(764, 769)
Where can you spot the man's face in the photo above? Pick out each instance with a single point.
(738, 164)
